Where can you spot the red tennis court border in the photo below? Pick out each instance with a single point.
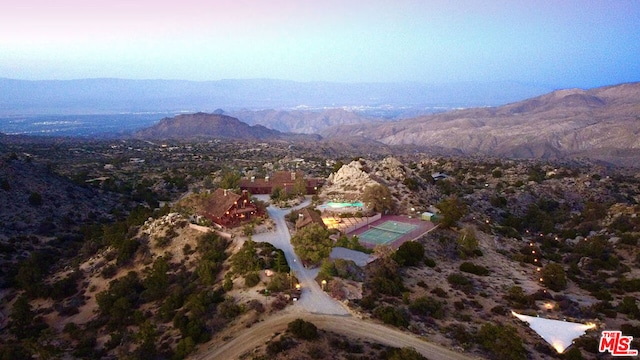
(421, 228)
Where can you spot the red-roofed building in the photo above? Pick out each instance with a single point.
(229, 209)
(307, 217)
(286, 180)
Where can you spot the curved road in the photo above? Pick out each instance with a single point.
(317, 307)
(352, 327)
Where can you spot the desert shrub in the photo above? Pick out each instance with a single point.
(392, 315)
(402, 354)
(440, 292)
(409, 253)
(553, 277)
(427, 306)
(472, 268)
(499, 310)
(386, 279)
(429, 262)
(251, 279)
(628, 306)
(109, 271)
(460, 334)
(229, 309)
(461, 282)
(163, 241)
(279, 282)
(303, 329)
(630, 238)
(346, 345)
(501, 341)
(278, 346)
(256, 305)
(518, 299)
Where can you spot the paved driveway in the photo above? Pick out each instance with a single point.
(312, 299)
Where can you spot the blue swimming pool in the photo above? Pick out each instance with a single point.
(337, 205)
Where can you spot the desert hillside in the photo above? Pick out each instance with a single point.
(600, 123)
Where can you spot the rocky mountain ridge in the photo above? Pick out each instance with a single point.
(600, 123)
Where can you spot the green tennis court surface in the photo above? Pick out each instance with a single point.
(386, 232)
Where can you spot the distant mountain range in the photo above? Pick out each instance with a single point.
(202, 125)
(113, 96)
(601, 123)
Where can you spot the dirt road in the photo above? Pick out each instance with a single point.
(351, 327)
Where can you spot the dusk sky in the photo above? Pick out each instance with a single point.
(561, 42)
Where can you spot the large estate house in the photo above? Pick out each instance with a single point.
(285, 180)
(229, 209)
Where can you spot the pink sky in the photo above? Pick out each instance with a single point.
(573, 42)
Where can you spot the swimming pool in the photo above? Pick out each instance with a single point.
(344, 204)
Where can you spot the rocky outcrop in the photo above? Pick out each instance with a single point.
(348, 182)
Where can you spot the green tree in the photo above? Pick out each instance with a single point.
(230, 179)
(312, 243)
(409, 253)
(157, 280)
(378, 198)
(278, 194)
(300, 186)
(554, 277)
(452, 209)
(246, 259)
(21, 319)
(146, 337)
(467, 242)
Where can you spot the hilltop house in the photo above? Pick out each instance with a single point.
(229, 209)
(285, 180)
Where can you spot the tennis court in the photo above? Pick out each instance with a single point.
(386, 232)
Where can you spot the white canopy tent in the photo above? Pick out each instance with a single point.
(560, 334)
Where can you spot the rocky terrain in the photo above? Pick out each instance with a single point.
(600, 123)
(137, 279)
